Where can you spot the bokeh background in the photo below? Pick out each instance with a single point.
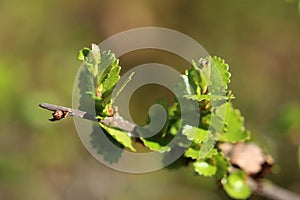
(39, 41)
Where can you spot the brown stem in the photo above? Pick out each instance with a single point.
(115, 121)
(271, 191)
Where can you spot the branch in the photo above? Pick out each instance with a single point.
(265, 188)
(271, 191)
(116, 121)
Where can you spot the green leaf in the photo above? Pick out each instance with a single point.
(216, 125)
(236, 186)
(111, 80)
(192, 153)
(201, 72)
(216, 159)
(128, 79)
(208, 145)
(222, 164)
(212, 153)
(206, 97)
(188, 109)
(220, 73)
(194, 78)
(108, 74)
(212, 74)
(217, 121)
(105, 145)
(154, 143)
(174, 121)
(91, 60)
(155, 146)
(204, 168)
(198, 135)
(215, 100)
(235, 126)
(175, 127)
(83, 53)
(108, 61)
(119, 135)
(94, 56)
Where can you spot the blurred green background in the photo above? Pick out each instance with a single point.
(39, 43)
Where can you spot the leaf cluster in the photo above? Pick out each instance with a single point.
(204, 88)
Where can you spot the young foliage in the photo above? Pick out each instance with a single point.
(236, 131)
(203, 90)
(96, 88)
(204, 167)
(235, 185)
(119, 136)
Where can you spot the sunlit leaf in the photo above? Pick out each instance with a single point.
(204, 168)
(156, 142)
(155, 146)
(235, 126)
(83, 53)
(220, 75)
(121, 136)
(195, 134)
(122, 86)
(108, 61)
(192, 153)
(206, 97)
(208, 144)
(222, 164)
(91, 60)
(110, 81)
(235, 185)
